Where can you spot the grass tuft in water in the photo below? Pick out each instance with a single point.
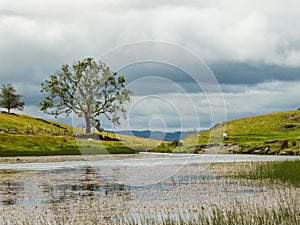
(286, 172)
(286, 211)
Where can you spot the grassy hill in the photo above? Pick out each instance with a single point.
(276, 133)
(22, 135)
(23, 124)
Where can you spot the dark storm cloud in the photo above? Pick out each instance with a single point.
(31, 93)
(251, 74)
(151, 72)
(229, 73)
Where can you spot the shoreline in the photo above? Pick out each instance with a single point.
(59, 158)
(67, 158)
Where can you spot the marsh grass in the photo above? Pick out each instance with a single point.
(286, 211)
(281, 206)
(284, 172)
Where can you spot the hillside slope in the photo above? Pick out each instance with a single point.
(22, 135)
(23, 124)
(276, 133)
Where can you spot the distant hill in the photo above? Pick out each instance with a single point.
(157, 135)
(275, 133)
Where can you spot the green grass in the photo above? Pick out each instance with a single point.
(266, 134)
(284, 172)
(136, 143)
(276, 133)
(22, 135)
(42, 145)
(23, 124)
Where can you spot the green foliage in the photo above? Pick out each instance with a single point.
(88, 89)
(164, 147)
(294, 143)
(284, 144)
(9, 99)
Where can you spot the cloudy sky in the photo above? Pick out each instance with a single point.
(251, 48)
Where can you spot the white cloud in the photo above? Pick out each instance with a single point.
(37, 37)
(222, 30)
(263, 98)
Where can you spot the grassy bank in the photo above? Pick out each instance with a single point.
(43, 145)
(22, 135)
(276, 133)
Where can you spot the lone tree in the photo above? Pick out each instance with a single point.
(9, 99)
(87, 88)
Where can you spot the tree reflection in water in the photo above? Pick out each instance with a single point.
(53, 187)
(10, 191)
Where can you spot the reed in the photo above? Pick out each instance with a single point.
(284, 172)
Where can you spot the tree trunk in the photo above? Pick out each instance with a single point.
(87, 125)
(8, 110)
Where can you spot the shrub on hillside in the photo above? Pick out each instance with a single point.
(284, 144)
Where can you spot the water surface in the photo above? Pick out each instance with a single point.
(127, 184)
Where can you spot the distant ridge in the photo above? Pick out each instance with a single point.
(157, 135)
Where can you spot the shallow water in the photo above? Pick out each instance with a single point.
(142, 169)
(148, 160)
(127, 185)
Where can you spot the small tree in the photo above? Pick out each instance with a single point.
(88, 89)
(9, 99)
